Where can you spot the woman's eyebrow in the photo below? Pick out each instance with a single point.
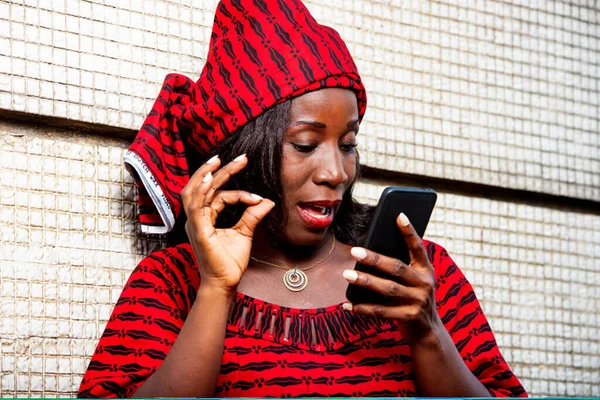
(321, 125)
(315, 124)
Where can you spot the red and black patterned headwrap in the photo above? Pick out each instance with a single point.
(261, 52)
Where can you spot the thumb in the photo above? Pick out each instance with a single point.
(252, 217)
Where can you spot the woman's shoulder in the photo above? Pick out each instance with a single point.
(436, 252)
(169, 263)
(443, 265)
(182, 252)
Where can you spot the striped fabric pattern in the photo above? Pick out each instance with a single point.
(286, 352)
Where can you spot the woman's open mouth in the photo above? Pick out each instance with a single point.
(317, 215)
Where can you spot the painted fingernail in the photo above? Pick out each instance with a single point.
(404, 219)
(213, 159)
(207, 177)
(255, 196)
(239, 158)
(347, 306)
(358, 252)
(350, 275)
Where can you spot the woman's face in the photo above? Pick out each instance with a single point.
(319, 161)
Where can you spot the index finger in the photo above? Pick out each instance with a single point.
(225, 173)
(209, 166)
(415, 245)
(394, 268)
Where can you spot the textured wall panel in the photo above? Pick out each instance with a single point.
(497, 92)
(68, 243)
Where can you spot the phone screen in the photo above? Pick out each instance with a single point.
(384, 236)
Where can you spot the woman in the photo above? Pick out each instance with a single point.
(254, 304)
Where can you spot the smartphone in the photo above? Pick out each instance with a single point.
(384, 236)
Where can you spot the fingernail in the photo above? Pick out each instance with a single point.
(358, 252)
(347, 306)
(207, 177)
(350, 275)
(404, 219)
(213, 159)
(239, 158)
(255, 196)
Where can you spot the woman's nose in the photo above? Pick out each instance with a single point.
(330, 170)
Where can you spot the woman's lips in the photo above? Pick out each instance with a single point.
(316, 216)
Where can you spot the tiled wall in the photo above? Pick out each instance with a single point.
(68, 241)
(504, 93)
(497, 92)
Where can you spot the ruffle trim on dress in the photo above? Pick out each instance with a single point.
(321, 329)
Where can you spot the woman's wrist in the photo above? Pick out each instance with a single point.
(215, 291)
(439, 368)
(432, 340)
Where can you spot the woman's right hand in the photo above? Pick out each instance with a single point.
(222, 254)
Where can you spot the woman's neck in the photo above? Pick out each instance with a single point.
(288, 255)
(326, 286)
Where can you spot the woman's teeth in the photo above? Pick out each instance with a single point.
(322, 211)
(316, 216)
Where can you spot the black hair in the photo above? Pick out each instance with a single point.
(262, 141)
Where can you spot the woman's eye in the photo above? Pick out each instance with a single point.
(304, 148)
(348, 147)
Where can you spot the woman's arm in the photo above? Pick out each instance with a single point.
(165, 335)
(147, 350)
(440, 370)
(144, 324)
(455, 354)
(192, 366)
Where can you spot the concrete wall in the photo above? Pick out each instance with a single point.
(501, 94)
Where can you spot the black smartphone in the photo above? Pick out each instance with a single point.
(384, 236)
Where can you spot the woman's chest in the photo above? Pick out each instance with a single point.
(380, 365)
(322, 286)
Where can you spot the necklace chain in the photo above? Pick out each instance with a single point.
(299, 269)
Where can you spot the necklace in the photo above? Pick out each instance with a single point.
(295, 279)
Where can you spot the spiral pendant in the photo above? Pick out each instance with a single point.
(295, 280)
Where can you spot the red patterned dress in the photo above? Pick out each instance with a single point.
(285, 352)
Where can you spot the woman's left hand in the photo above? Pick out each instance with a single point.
(412, 297)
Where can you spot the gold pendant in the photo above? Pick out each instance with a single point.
(295, 280)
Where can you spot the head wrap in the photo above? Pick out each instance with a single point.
(261, 53)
